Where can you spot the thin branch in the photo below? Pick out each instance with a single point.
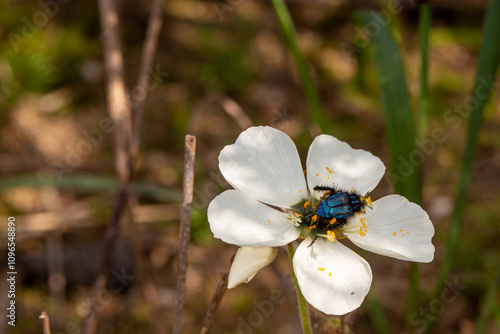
(120, 114)
(217, 297)
(185, 229)
(45, 322)
(152, 36)
(145, 275)
(233, 109)
(109, 245)
(118, 107)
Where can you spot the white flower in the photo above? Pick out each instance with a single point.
(271, 205)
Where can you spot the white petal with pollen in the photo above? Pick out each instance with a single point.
(238, 219)
(247, 262)
(264, 163)
(396, 228)
(333, 163)
(333, 279)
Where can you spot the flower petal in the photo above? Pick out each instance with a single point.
(247, 262)
(238, 219)
(396, 228)
(333, 163)
(333, 278)
(264, 163)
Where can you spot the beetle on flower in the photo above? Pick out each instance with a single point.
(273, 204)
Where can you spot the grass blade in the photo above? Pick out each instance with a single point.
(90, 183)
(489, 57)
(396, 107)
(405, 173)
(488, 303)
(301, 64)
(424, 25)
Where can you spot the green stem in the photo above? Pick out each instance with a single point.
(304, 313)
(301, 64)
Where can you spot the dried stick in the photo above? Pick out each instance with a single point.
(216, 298)
(152, 36)
(109, 245)
(150, 290)
(45, 322)
(120, 114)
(145, 275)
(118, 107)
(185, 229)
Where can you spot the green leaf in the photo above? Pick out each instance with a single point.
(310, 92)
(489, 57)
(90, 183)
(396, 106)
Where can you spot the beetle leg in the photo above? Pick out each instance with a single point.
(323, 188)
(313, 241)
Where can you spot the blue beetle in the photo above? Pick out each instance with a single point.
(334, 210)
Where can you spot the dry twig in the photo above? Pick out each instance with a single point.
(145, 275)
(45, 322)
(185, 229)
(120, 114)
(152, 36)
(216, 298)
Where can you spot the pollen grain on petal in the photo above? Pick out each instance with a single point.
(306, 204)
(394, 234)
(329, 170)
(364, 226)
(269, 221)
(330, 274)
(321, 269)
(317, 174)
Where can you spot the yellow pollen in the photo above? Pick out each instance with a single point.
(306, 204)
(363, 227)
(321, 269)
(305, 170)
(366, 200)
(311, 227)
(317, 174)
(314, 218)
(329, 170)
(330, 274)
(394, 234)
(269, 221)
(330, 235)
(333, 221)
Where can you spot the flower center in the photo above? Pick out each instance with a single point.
(331, 212)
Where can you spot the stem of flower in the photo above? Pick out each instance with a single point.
(304, 313)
